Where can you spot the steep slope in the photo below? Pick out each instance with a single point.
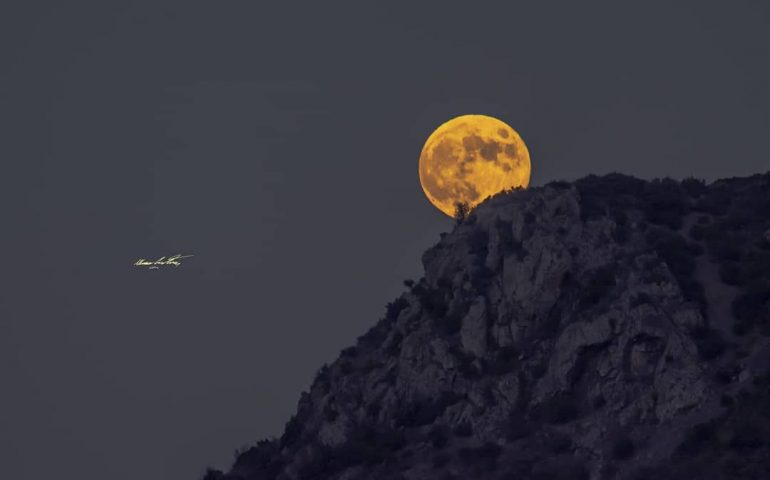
(561, 332)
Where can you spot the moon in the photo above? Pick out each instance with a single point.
(470, 158)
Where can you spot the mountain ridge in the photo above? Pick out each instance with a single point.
(605, 328)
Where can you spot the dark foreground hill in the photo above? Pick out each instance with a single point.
(610, 328)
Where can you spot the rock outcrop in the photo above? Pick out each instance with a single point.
(559, 332)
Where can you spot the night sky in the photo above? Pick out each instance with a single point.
(279, 144)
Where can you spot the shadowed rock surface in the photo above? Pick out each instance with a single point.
(610, 328)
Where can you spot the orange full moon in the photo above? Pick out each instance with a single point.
(469, 158)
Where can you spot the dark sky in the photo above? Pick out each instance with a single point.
(278, 143)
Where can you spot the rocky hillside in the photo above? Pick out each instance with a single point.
(610, 328)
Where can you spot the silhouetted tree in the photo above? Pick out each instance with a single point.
(462, 209)
(212, 474)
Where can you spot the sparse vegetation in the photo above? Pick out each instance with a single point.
(640, 299)
(694, 187)
(697, 438)
(477, 242)
(440, 460)
(330, 413)
(439, 436)
(679, 254)
(559, 409)
(558, 443)
(482, 459)
(559, 184)
(365, 446)
(462, 209)
(734, 238)
(504, 360)
(709, 342)
(394, 346)
(349, 352)
(623, 448)
(621, 232)
(599, 194)
(752, 308)
(508, 244)
(394, 308)
(463, 429)
(665, 203)
(373, 410)
(432, 300)
(212, 474)
(489, 450)
(425, 411)
(599, 284)
(734, 445)
(346, 367)
(322, 378)
(292, 432)
(518, 426)
(518, 470)
(264, 456)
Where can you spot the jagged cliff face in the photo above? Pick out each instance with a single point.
(573, 331)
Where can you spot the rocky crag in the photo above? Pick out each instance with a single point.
(610, 328)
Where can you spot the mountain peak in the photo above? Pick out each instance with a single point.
(607, 328)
